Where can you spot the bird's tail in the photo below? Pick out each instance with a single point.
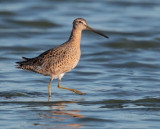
(26, 64)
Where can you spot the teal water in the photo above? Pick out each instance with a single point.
(119, 75)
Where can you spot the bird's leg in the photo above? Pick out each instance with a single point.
(49, 86)
(73, 90)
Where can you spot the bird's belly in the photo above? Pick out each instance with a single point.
(66, 64)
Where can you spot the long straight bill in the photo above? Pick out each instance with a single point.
(89, 28)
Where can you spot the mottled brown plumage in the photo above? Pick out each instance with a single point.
(57, 61)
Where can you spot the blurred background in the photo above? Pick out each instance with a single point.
(119, 75)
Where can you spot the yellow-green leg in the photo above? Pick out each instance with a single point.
(73, 90)
(49, 86)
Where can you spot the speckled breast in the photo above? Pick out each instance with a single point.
(69, 61)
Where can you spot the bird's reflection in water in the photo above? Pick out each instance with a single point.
(60, 115)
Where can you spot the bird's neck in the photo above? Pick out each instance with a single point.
(75, 37)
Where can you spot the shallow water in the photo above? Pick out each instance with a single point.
(119, 75)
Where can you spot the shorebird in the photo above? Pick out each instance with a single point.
(57, 61)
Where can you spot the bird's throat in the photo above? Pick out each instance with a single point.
(75, 36)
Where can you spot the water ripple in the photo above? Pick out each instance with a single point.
(119, 75)
(38, 23)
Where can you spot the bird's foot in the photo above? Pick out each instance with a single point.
(77, 92)
(73, 90)
(49, 98)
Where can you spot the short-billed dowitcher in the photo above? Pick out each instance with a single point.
(57, 61)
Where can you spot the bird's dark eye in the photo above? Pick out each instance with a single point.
(80, 22)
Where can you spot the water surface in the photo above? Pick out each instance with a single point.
(119, 75)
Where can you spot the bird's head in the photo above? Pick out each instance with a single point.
(81, 24)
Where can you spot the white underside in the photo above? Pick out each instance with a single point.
(61, 75)
(57, 76)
